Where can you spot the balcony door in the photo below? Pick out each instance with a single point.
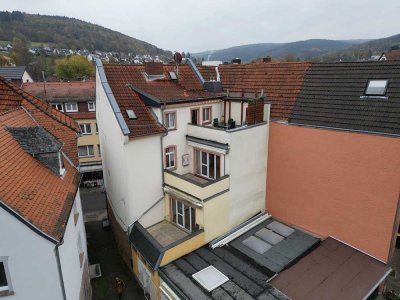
(195, 116)
(207, 164)
(183, 215)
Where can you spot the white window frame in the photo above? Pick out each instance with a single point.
(170, 156)
(170, 120)
(8, 289)
(376, 80)
(91, 103)
(87, 151)
(71, 109)
(200, 164)
(56, 105)
(204, 120)
(182, 214)
(84, 128)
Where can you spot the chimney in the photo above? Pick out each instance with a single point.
(266, 59)
(237, 61)
(153, 68)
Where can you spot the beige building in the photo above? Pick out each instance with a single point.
(77, 99)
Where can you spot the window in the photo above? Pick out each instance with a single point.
(5, 280)
(97, 128)
(98, 149)
(85, 151)
(183, 215)
(80, 250)
(58, 106)
(86, 128)
(207, 164)
(207, 115)
(170, 120)
(71, 107)
(376, 87)
(170, 157)
(195, 116)
(91, 106)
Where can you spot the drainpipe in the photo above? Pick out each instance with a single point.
(161, 141)
(60, 275)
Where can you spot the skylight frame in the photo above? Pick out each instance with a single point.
(131, 114)
(224, 278)
(376, 94)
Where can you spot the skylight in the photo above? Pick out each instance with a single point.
(173, 75)
(210, 278)
(269, 236)
(256, 244)
(280, 228)
(131, 114)
(376, 87)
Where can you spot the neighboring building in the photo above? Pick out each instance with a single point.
(182, 165)
(17, 75)
(392, 55)
(43, 251)
(78, 100)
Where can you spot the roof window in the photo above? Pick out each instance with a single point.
(131, 114)
(376, 87)
(210, 278)
(173, 75)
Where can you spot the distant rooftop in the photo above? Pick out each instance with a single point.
(11, 73)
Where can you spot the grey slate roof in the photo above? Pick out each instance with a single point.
(281, 255)
(333, 95)
(246, 280)
(39, 143)
(10, 73)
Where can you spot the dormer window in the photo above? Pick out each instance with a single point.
(376, 87)
(91, 106)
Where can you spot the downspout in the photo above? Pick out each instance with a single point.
(161, 142)
(60, 275)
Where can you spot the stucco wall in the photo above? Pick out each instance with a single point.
(31, 261)
(90, 139)
(69, 254)
(335, 183)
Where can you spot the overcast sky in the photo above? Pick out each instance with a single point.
(192, 25)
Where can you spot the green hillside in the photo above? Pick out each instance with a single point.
(70, 33)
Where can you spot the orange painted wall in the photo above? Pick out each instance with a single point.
(335, 183)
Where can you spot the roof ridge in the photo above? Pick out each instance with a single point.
(32, 99)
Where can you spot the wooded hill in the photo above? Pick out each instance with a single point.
(70, 33)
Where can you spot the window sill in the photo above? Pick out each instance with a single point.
(171, 129)
(171, 168)
(87, 133)
(6, 293)
(86, 156)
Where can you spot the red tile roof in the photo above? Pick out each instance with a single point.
(65, 90)
(63, 127)
(281, 82)
(28, 187)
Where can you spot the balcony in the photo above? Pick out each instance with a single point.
(195, 186)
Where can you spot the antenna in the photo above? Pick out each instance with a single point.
(44, 86)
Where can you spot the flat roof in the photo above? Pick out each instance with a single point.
(274, 245)
(332, 271)
(246, 280)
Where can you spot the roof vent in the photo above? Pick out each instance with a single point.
(210, 278)
(131, 114)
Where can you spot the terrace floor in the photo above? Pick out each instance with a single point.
(195, 178)
(166, 233)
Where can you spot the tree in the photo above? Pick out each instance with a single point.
(20, 51)
(73, 68)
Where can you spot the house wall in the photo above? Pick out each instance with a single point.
(335, 183)
(26, 77)
(248, 158)
(73, 273)
(178, 137)
(90, 139)
(113, 156)
(31, 261)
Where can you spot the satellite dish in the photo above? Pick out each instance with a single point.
(177, 57)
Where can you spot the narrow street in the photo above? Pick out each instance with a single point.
(103, 250)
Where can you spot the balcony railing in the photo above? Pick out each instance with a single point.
(200, 189)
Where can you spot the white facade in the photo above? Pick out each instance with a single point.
(132, 169)
(26, 77)
(31, 262)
